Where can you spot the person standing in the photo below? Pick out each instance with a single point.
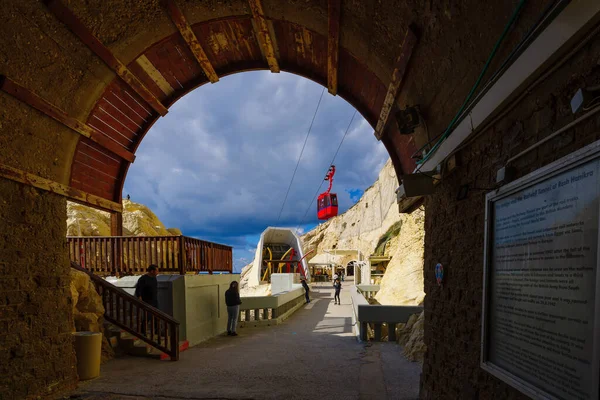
(307, 289)
(233, 301)
(146, 289)
(338, 287)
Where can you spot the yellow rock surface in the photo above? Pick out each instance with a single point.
(402, 283)
(138, 220)
(88, 310)
(415, 347)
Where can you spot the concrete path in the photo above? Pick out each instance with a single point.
(312, 355)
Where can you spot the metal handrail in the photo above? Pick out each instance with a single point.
(136, 317)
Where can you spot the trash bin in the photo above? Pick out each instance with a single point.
(88, 347)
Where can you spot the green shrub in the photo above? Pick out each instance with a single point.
(392, 232)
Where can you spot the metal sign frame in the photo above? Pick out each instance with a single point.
(574, 160)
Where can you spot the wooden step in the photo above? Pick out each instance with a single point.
(134, 346)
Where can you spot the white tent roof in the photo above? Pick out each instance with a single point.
(326, 259)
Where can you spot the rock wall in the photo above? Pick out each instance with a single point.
(362, 226)
(138, 220)
(402, 283)
(454, 233)
(36, 349)
(88, 311)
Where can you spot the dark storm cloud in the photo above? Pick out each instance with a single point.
(219, 164)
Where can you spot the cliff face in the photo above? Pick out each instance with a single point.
(138, 220)
(365, 225)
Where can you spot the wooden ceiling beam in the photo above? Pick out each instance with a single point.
(66, 16)
(406, 49)
(190, 38)
(264, 35)
(33, 100)
(77, 195)
(333, 43)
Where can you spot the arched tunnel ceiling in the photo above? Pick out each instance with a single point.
(169, 70)
(144, 37)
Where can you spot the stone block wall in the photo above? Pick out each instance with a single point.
(36, 348)
(454, 230)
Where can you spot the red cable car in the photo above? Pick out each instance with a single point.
(327, 204)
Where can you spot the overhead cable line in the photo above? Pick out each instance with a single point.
(331, 163)
(299, 157)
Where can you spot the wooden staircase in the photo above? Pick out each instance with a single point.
(140, 328)
(124, 342)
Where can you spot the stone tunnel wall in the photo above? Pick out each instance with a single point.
(455, 229)
(36, 348)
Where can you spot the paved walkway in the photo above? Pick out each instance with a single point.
(312, 355)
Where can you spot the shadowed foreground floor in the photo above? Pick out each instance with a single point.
(312, 355)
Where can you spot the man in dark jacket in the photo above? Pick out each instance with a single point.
(306, 288)
(146, 289)
(233, 301)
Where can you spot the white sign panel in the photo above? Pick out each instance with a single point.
(540, 330)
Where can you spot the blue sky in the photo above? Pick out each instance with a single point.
(219, 164)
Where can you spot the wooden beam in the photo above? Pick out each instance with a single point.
(33, 100)
(190, 38)
(67, 17)
(406, 49)
(155, 75)
(264, 36)
(333, 43)
(116, 224)
(58, 188)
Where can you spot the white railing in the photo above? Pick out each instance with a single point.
(370, 318)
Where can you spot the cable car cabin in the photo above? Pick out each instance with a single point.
(327, 205)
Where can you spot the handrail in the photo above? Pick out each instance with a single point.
(269, 308)
(133, 316)
(371, 317)
(131, 255)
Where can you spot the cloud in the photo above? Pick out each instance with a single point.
(219, 164)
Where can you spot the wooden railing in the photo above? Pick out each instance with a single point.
(147, 323)
(131, 255)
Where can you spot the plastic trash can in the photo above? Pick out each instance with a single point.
(88, 347)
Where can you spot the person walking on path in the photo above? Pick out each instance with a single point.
(338, 286)
(233, 301)
(146, 289)
(306, 288)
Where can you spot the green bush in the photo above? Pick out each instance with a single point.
(392, 232)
